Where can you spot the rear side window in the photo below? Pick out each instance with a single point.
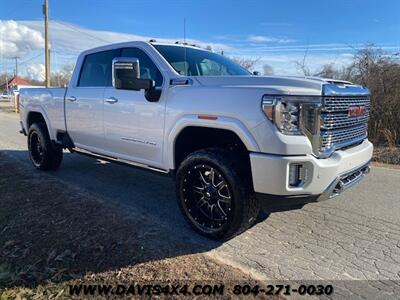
(96, 69)
(148, 69)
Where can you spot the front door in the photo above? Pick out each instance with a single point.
(133, 126)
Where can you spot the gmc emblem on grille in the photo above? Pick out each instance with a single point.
(356, 111)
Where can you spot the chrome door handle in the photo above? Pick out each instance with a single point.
(71, 99)
(111, 100)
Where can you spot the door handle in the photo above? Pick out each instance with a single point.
(111, 100)
(71, 99)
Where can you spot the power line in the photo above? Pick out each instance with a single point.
(30, 59)
(66, 53)
(80, 31)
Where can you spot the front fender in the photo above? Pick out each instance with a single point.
(221, 122)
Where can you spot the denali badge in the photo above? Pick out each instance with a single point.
(356, 111)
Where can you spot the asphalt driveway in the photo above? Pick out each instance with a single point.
(354, 236)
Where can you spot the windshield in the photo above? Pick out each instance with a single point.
(196, 62)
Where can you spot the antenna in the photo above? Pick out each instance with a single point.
(184, 30)
(184, 44)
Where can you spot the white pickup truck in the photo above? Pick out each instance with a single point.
(231, 139)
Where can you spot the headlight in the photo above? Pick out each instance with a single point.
(284, 112)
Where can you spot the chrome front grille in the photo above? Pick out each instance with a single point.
(342, 103)
(343, 138)
(341, 120)
(337, 128)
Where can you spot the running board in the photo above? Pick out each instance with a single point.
(120, 161)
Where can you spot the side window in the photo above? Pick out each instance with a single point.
(148, 69)
(96, 69)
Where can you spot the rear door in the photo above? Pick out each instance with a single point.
(133, 126)
(84, 101)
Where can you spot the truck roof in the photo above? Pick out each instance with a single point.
(177, 44)
(141, 43)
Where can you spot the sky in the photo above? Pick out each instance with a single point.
(277, 33)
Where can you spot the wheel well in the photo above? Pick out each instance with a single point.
(34, 117)
(194, 138)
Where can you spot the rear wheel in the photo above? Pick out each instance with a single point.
(44, 154)
(215, 195)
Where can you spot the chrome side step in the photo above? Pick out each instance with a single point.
(120, 161)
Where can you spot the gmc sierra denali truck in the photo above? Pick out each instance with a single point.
(230, 139)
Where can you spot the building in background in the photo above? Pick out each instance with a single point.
(12, 87)
(14, 84)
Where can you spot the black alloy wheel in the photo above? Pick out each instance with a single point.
(36, 149)
(215, 194)
(45, 154)
(208, 199)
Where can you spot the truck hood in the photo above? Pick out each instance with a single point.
(274, 84)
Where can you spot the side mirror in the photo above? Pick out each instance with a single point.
(126, 75)
(256, 73)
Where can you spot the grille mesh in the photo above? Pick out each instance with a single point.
(342, 120)
(335, 104)
(338, 130)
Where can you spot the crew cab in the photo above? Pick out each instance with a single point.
(231, 139)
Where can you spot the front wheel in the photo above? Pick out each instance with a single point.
(215, 195)
(44, 154)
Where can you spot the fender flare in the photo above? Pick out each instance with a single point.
(39, 109)
(227, 123)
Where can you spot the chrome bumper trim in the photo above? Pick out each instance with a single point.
(344, 182)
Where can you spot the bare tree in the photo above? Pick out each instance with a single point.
(380, 72)
(302, 65)
(247, 63)
(62, 77)
(328, 71)
(3, 78)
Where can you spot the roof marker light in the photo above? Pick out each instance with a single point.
(207, 117)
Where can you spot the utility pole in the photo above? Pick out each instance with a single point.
(46, 41)
(16, 65)
(16, 104)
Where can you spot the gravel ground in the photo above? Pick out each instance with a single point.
(7, 106)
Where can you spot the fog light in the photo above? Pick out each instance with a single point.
(295, 175)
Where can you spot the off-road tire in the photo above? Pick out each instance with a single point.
(245, 207)
(50, 155)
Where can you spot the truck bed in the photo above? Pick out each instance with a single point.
(49, 102)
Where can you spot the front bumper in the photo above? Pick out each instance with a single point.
(322, 176)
